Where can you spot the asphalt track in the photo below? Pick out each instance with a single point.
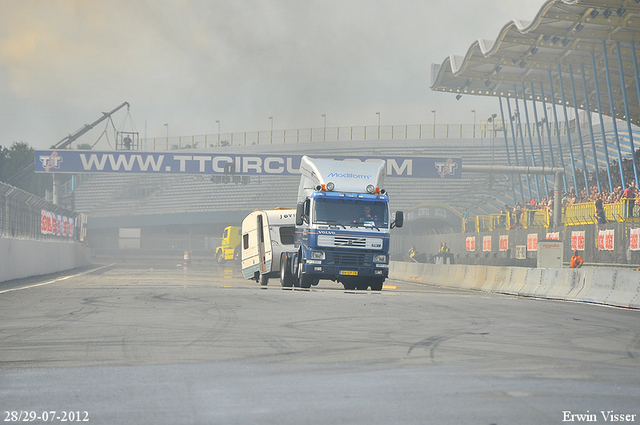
(161, 344)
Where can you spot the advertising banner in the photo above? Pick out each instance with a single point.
(577, 240)
(553, 236)
(471, 243)
(605, 239)
(486, 243)
(54, 224)
(504, 242)
(634, 239)
(532, 242)
(194, 163)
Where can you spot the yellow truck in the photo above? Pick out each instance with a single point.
(229, 249)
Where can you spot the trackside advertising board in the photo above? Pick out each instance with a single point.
(55, 224)
(193, 163)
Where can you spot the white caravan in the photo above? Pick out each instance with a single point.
(265, 236)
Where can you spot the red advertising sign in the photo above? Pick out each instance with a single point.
(471, 243)
(532, 242)
(486, 243)
(577, 240)
(634, 239)
(504, 242)
(54, 224)
(605, 240)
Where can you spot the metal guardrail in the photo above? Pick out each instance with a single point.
(484, 133)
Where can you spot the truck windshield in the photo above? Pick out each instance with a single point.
(347, 213)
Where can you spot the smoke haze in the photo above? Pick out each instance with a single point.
(188, 63)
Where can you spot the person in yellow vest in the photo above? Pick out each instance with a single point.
(412, 253)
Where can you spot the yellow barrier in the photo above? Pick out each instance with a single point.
(573, 215)
(493, 222)
(577, 214)
(536, 218)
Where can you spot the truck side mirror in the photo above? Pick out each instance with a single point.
(300, 214)
(399, 221)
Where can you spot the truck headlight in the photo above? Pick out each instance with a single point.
(380, 258)
(317, 255)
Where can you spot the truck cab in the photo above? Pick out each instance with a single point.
(343, 224)
(229, 248)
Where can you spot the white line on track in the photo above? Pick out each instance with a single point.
(54, 280)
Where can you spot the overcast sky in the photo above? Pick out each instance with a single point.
(189, 63)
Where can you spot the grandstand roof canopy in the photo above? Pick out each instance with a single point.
(569, 34)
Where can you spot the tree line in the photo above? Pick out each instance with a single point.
(19, 155)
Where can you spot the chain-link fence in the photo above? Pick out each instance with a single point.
(26, 216)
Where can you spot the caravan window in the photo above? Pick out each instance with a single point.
(245, 241)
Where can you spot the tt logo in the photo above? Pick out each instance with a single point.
(447, 167)
(51, 161)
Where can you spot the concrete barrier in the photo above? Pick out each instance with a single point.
(531, 283)
(604, 286)
(626, 289)
(599, 284)
(20, 258)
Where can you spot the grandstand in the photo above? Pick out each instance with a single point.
(104, 195)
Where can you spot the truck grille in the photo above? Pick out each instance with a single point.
(350, 241)
(347, 241)
(349, 258)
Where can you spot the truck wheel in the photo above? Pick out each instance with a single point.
(286, 278)
(303, 279)
(219, 257)
(376, 284)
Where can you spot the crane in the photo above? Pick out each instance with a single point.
(62, 144)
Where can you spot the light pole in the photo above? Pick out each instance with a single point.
(271, 137)
(492, 120)
(324, 131)
(167, 141)
(433, 111)
(474, 123)
(218, 121)
(378, 114)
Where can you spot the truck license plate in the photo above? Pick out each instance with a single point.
(349, 272)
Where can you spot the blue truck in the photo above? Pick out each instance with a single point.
(342, 225)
